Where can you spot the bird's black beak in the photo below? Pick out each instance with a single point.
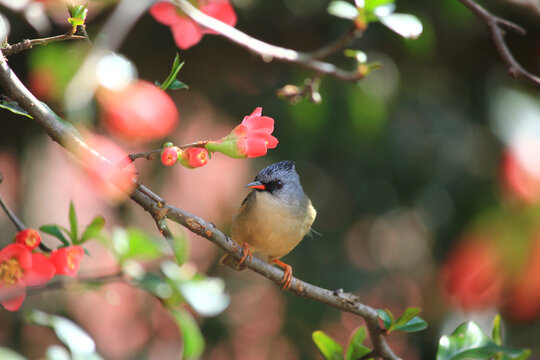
(256, 185)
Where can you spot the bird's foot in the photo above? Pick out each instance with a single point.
(287, 276)
(246, 253)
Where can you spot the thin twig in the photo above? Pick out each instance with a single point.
(267, 51)
(337, 45)
(67, 136)
(495, 26)
(28, 44)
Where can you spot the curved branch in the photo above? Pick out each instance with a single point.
(28, 44)
(495, 26)
(267, 51)
(67, 136)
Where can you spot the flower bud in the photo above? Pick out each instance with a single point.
(169, 155)
(29, 238)
(193, 157)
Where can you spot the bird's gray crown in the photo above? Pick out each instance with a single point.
(282, 180)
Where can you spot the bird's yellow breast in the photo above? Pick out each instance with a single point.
(270, 227)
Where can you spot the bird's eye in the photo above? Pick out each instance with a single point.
(278, 184)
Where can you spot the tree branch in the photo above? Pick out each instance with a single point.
(270, 52)
(495, 26)
(67, 136)
(28, 44)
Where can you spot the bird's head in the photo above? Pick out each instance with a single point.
(279, 179)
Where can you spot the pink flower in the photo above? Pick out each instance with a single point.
(252, 138)
(29, 238)
(139, 112)
(193, 157)
(66, 260)
(187, 32)
(20, 268)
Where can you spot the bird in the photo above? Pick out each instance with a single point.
(273, 218)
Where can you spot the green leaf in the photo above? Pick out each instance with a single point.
(79, 343)
(413, 325)
(371, 5)
(468, 341)
(329, 349)
(342, 9)
(387, 318)
(356, 348)
(191, 334)
(180, 248)
(14, 107)
(171, 83)
(55, 231)
(409, 313)
(93, 229)
(73, 223)
(133, 243)
(78, 11)
(496, 332)
(358, 55)
(57, 352)
(406, 25)
(8, 354)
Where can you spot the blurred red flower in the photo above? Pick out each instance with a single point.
(20, 268)
(139, 112)
(472, 275)
(194, 157)
(66, 260)
(252, 138)
(109, 171)
(29, 238)
(518, 181)
(187, 32)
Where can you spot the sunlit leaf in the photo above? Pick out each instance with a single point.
(496, 332)
(69, 333)
(14, 107)
(73, 223)
(191, 334)
(57, 352)
(206, 296)
(133, 243)
(329, 349)
(93, 229)
(406, 25)
(55, 231)
(468, 341)
(342, 9)
(358, 55)
(371, 5)
(8, 354)
(413, 325)
(409, 313)
(356, 347)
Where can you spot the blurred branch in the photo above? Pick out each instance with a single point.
(496, 27)
(66, 135)
(148, 154)
(28, 44)
(270, 52)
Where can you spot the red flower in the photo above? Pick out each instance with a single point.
(472, 275)
(20, 268)
(139, 112)
(29, 238)
(252, 138)
(169, 155)
(66, 260)
(187, 32)
(193, 157)
(110, 173)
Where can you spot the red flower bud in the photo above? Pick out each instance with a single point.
(29, 238)
(169, 155)
(250, 139)
(139, 112)
(193, 157)
(66, 260)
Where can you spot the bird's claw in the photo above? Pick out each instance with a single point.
(246, 253)
(287, 274)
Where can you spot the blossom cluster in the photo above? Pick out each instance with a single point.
(22, 267)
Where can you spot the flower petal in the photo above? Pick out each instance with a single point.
(255, 147)
(18, 252)
(256, 113)
(165, 13)
(13, 302)
(186, 33)
(41, 272)
(263, 124)
(222, 11)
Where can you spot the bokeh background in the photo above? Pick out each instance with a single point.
(425, 175)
